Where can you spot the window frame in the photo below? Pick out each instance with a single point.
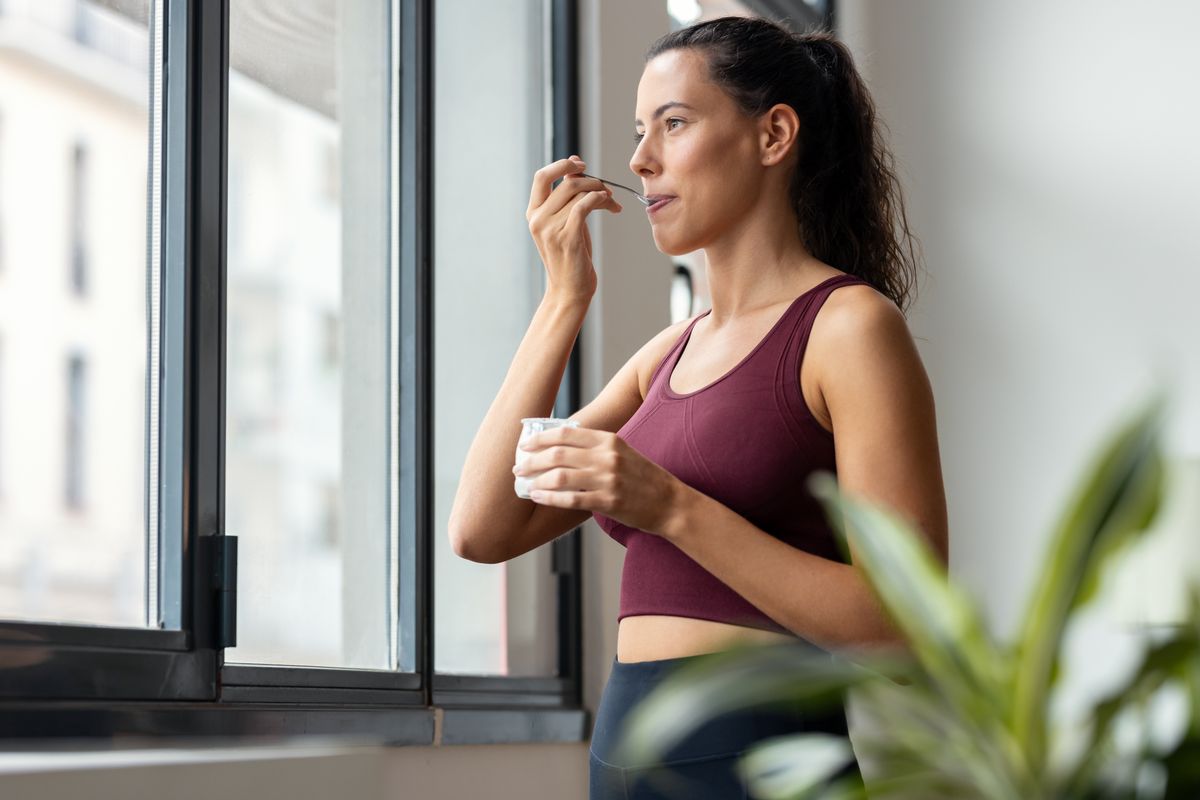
(796, 14)
(66, 680)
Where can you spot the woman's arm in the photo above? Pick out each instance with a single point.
(485, 505)
(497, 539)
(881, 403)
(486, 508)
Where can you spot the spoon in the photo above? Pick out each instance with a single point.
(641, 198)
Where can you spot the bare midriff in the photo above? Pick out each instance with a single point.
(654, 637)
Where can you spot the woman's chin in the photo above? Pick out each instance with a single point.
(671, 245)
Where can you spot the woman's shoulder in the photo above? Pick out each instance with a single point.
(856, 318)
(852, 306)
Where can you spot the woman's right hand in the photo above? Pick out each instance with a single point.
(557, 222)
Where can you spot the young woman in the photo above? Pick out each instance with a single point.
(760, 147)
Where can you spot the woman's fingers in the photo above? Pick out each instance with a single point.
(552, 457)
(571, 187)
(552, 201)
(578, 212)
(545, 177)
(556, 223)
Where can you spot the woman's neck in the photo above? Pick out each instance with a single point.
(758, 264)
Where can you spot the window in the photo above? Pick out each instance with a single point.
(78, 225)
(309, 106)
(2, 410)
(491, 619)
(76, 385)
(796, 14)
(682, 296)
(249, 391)
(74, 543)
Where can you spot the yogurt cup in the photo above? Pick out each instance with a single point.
(530, 426)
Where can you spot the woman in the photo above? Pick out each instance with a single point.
(760, 147)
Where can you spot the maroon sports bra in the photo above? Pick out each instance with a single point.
(747, 440)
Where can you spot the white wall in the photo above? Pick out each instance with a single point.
(1049, 158)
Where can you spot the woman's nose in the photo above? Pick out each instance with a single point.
(640, 163)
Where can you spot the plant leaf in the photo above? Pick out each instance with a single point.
(1183, 770)
(938, 619)
(915, 731)
(1119, 496)
(1160, 663)
(794, 767)
(800, 678)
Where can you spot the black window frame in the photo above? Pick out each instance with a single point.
(91, 682)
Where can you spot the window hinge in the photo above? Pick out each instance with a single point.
(224, 584)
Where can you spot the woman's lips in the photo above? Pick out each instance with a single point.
(658, 205)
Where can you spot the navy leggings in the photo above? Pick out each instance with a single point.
(702, 765)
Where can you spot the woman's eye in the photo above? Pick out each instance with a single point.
(637, 137)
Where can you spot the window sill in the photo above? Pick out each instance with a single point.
(84, 726)
(83, 758)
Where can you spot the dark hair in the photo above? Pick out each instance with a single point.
(845, 191)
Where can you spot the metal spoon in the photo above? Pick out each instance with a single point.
(641, 198)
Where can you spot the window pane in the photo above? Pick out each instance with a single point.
(309, 315)
(75, 81)
(681, 294)
(490, 619)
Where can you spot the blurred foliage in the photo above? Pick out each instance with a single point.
(958, 714)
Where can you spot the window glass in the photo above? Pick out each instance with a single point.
(309, 359)
(75, 111)
(491, 130)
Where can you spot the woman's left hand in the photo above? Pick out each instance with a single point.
(593, 470)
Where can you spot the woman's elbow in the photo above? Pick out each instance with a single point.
(470, 547)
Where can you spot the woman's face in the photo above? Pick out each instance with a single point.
(697, 147)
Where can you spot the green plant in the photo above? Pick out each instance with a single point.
(959, 714)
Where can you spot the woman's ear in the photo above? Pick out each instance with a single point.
(778, 129)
